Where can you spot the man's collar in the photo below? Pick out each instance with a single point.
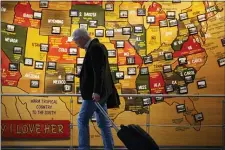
(87, 44)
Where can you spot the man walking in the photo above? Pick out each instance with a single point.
(96, 85)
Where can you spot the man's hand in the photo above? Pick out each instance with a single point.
(96, 97)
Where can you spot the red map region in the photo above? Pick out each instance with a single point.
(156, 10)
(59, 50)
(127, 51)
(87, 2)
(9, 78)
(24, 15)
(191, 46)
(157, 84)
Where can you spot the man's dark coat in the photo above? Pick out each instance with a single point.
(95, 75)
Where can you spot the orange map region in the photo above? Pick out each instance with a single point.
(59, 50)
(24, 15)
(127, 51)
(9, 78)
(156, 10)
(88, 2)
(157, 84)
(191, 46)
(197, 60)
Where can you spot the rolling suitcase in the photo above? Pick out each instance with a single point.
(132, 136)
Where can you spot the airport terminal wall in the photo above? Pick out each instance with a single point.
(154, 47)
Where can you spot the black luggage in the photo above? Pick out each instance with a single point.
(132, 136)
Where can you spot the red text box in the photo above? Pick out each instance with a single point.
(52, 129)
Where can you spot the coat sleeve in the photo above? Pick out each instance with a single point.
(98, 63)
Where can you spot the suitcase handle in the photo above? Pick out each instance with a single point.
(106, 115)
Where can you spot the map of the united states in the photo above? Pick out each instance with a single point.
(154, 48)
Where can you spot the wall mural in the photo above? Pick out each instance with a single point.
(153, 47)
